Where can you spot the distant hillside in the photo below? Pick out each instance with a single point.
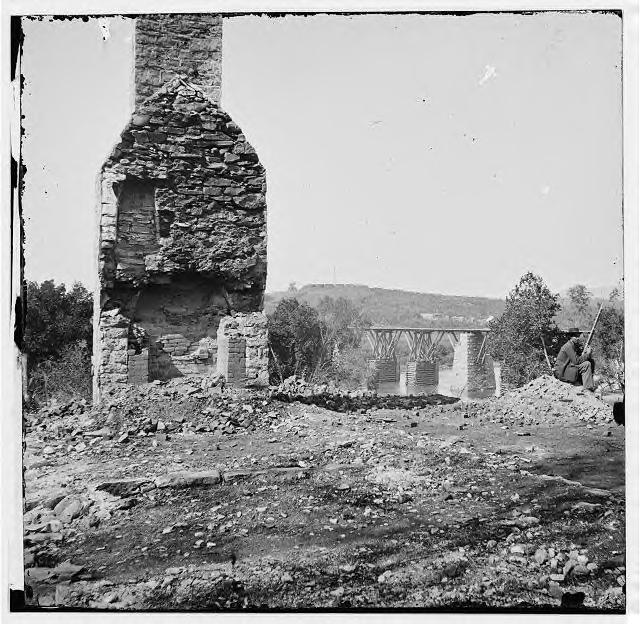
(399, 307)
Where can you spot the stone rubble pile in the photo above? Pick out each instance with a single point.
(55, 409)
(298, 386)
(541, 400)
(294, 389)
(185, 404)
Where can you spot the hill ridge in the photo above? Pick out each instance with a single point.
(386, 306)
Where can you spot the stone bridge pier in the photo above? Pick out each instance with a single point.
(472, 365)
(384, 364)
(422, 367)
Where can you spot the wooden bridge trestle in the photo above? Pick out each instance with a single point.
(384, 342)
(422, 341)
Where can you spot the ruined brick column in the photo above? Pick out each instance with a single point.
(243, 356)
(469, 372)
(182, 213)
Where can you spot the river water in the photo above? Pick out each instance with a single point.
(445, 387)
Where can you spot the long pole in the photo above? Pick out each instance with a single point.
(593, 328)
(544, 347)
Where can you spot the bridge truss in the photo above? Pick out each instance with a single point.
(422, 341)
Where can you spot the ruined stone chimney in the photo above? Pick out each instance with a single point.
(182, 253)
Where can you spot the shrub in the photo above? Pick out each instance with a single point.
(62, 378)
(295, 341)
(608, 345)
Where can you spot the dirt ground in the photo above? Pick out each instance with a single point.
(189, 500)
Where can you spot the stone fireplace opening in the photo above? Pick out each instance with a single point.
(180, 320)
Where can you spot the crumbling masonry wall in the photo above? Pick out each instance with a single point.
(182, 215)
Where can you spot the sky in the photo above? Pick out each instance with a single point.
(432, 153)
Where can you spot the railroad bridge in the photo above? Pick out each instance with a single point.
(472, 365)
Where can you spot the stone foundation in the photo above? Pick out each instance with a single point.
(385, 370)
(467, 373)
(422, 373)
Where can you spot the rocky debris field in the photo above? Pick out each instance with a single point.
(176, 496)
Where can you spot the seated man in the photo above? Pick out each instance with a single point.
(570, 366)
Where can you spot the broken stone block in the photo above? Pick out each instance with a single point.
(123, 487)
(188, 479)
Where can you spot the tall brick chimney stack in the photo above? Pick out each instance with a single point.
(170, 45)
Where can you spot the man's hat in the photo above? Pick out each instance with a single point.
(574, 331)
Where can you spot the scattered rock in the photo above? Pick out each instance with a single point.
(173, 571)
(584, 506)
(524, 522)
(66, 571)
(540, 555)
(38, 538)
(581, 570)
